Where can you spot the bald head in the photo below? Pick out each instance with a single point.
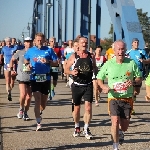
(118, 43)
(119, 49)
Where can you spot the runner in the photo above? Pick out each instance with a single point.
(54, 69)
(120, 72)
(2, 44)
(76, 48)
(100, 60)
(23, 77)
(138, 55)
(38, 59)
(68, 50)
(82, 86)
(7, 52)
(110, 53)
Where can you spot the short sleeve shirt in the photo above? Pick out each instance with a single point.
(136, 55)
(36, 57)
(117, 75)
(8, 53)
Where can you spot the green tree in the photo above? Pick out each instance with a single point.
(145, 24)
(111, 31)
(107, 42)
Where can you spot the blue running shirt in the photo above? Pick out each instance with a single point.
(8, 53)
(36, 56)
(136, 55)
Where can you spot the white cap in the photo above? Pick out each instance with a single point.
(28, 39)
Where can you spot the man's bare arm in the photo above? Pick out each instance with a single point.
(70, 62)
(11, 63)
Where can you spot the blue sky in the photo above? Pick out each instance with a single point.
(15, 15)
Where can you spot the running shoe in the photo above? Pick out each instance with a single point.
(20, 114)
(38, 127)
(9, 97)
(26, 117)
(96, 104)
(76, 132)
(87, 134)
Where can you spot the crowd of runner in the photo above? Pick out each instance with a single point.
(36, 64)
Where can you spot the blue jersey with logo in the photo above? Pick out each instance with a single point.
(36, 57)
(136, 55)
(8, 53)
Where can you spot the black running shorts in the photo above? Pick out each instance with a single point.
(42, 87)
(79, 91)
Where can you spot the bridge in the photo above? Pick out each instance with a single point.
(67, 19)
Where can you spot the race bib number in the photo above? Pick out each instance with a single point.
(25, 68)
(40, 77)
(120, 87)
(98, 65)
(55, 69)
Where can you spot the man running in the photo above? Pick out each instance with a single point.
(39, 58)
(100, 60)
(83, 65)
(23, 77)
(54, 69)
(120, 72)
(68, 50)
(138, 55)
(7, 52)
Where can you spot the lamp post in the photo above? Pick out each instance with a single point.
(60, 20)
(28, 27)
(89, 24)
(48, 5)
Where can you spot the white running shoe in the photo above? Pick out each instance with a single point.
(38, 127)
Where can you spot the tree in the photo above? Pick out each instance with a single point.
(107, 42)
(111, 31)
(145, 24)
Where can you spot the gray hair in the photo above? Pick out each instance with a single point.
(7, 39)
(117, 41)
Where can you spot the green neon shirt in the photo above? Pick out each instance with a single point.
(117, 75)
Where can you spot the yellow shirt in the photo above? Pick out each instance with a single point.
(110, 53)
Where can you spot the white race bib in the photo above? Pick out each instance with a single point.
(120, 87)
(55, 69)
(40, 77)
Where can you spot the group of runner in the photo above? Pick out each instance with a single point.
(85, 71)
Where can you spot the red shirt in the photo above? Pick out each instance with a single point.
(58, 52)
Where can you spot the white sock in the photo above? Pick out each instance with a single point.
(38, 120)
(86, 126)
(77, 125)
(115, 146)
